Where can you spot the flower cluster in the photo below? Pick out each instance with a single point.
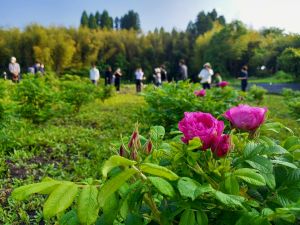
(223, 84)
(200, 93)
(210, 130)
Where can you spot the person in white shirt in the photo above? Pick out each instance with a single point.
(14, 69)
(94, 74)
(157, 76)
(139, 74)
(205, 75)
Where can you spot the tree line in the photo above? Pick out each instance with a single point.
(227, 46)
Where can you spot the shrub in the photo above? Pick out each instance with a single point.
(292, 99)
(257, 93)
(36, 99)
(166, 105)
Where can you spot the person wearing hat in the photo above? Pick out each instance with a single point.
(14, 70)
(118, 75)
(205, 75)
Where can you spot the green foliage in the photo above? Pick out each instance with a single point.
(292, 99)
(257, 93)
(289, 60)
(168, 104)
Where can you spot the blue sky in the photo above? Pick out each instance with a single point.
(153, 13)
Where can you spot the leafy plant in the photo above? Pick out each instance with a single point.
(257, 93)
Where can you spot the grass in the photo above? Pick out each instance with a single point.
(74, 147)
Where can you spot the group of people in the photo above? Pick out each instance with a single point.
(109, 76)
(14, 70)
(160, 75)
(206, 74)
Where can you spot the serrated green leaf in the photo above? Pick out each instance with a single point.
(162, 185)
(115, 161)
(250, 176)
(290, 142)
(201, 218)
(229, 200)
(60, 199)
(284, 163)
(158, 171)
(23, 192)
(114, 184)
(187, 218)
(157, 133)
(70, 218)
(261, 164)
(187, 187)
(88, 206)
(231, 185)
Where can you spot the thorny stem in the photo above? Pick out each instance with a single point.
(199, 170)
(148, 199)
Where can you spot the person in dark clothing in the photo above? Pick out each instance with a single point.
(183, 70)
(243, 76)
(108, 76)
(164, 73)
(118, 75)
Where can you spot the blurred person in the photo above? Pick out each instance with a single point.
(4, 75)
(108, 76)
(14, 69)
(94, 74)
(243, 76)
(183, 70)
(157, 76)
(117, 75)
(37, 67)
(218, 79)
(205, 75)
(139, 75)
(164, 74)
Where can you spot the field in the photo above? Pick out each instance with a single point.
(74, 147)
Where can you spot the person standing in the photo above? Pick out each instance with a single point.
(205, 75)
(94, 74)
(164, 73)
(118, 75)
(139, 74)
(108, 76)
(183, 70)
(14, 69)
(157, 76)
(243, 76)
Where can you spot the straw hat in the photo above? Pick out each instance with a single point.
(13, 59)
(207, 65)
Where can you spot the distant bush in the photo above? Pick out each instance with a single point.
(292, 98)
(257, 93)
(168, 104)
(281, 75)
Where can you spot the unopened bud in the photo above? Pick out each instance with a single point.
(148, 147)
(122, 151)
(132, 139)
(133, 155)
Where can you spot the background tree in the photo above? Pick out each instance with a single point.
(92, 22)
(106, 21)
(84, 21)
(131, 20)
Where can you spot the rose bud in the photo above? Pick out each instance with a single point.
(148, 147)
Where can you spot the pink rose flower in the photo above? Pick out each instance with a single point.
(202, 125)
(245, 117)
(223, 84)
(221, 145)
(200, 93)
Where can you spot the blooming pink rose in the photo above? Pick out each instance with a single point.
(245, 117)
(223, 84)
(221, 145)
(200, 93)
(202, 125)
